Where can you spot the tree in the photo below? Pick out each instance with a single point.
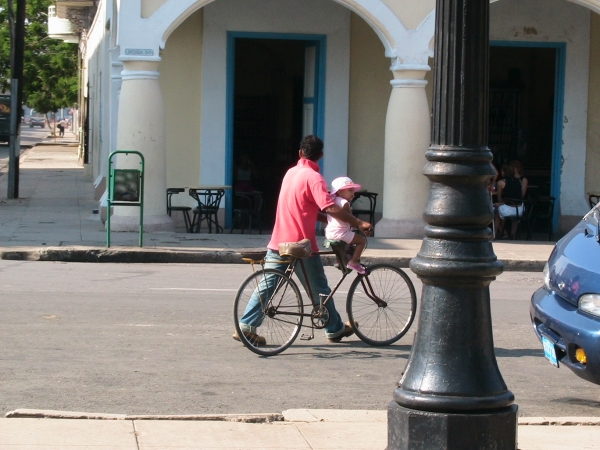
(50, 73)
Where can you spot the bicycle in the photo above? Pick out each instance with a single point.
(381, 304)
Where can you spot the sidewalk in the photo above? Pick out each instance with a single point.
(294, 429)
(53, 220)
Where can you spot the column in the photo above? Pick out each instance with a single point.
(407, 136)
(141, 127)
(451, 395)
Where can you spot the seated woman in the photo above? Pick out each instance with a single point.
(518, 168)
(510, 193)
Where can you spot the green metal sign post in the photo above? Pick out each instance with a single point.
(125, 188)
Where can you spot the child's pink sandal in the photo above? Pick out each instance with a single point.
(359, 268)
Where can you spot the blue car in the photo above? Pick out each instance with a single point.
(565, 313)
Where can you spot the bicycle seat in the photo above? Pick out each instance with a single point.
(301, 249)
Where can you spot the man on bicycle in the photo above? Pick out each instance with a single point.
(303, 199)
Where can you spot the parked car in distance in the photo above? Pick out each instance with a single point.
(565, 312)
(37, 122)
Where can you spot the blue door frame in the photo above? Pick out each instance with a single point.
(319, 41)
(559, 96)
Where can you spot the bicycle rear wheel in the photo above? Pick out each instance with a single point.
(383, 303)
(275, 304)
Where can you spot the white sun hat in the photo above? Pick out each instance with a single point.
(341, 183)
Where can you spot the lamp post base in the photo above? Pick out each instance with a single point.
(410, 429)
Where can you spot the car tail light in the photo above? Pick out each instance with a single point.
(590, 303)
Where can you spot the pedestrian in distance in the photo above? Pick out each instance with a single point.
(61, 127)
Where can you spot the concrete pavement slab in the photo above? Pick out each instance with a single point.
(362, 430)
(58, 434)
(345, 435)
(550, 437)
(195, 435)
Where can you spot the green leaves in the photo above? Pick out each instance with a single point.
(50, 73)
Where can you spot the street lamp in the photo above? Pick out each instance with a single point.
(452, 395)
(17, 42)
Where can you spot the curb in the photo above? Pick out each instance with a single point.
(200, 256)
(50, 414)
(108, 255)
(56, 144)
(253, 418)
(563, 421)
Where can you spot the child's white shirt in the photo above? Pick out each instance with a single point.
(335, 229)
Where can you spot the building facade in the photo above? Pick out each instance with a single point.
(197, 85)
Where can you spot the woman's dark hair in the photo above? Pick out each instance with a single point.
(312, 147)
(508, 171)
(517, 166)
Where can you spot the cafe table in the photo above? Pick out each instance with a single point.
(208, 199)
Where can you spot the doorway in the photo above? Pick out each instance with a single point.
(526, 102)
(274, 98)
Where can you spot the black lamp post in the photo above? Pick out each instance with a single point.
(17, 37)
(452, 395)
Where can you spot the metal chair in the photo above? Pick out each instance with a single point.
(184, 209)
(248, 205)
(364, 203)
(543, 209)
(209, 202)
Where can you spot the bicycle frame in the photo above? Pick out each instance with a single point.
(289, 271)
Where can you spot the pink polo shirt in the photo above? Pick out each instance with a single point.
(303, 194)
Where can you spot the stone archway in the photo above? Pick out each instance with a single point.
(407, 125)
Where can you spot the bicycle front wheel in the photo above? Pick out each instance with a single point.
(271, 303)
(383, 303)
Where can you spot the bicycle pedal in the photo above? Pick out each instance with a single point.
(307, 337)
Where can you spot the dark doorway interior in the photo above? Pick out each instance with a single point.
(267, 123)
(522, 86)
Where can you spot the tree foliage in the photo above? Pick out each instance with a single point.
(50, 73)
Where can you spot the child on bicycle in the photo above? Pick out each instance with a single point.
(343, 189)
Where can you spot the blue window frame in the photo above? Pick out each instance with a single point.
(559, 95)
(319, 42)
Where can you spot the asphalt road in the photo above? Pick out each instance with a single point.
(29, 137)
(156, 339)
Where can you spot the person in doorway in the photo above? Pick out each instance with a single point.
(518, 174)
(493, 180)
(509, 202)
(343, 188)
(303, 199)
(245, 173)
